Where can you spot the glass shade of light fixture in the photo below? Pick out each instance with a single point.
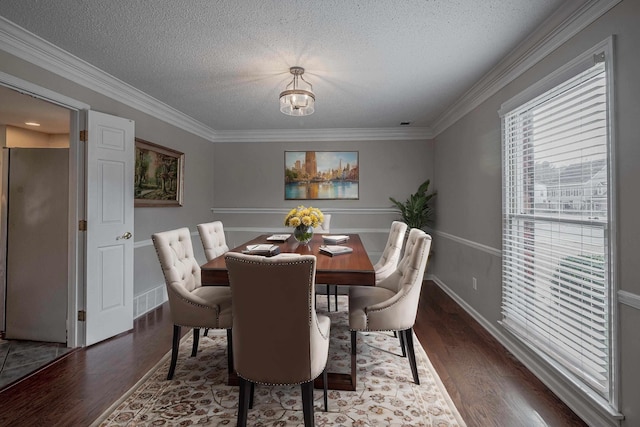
(296, 100)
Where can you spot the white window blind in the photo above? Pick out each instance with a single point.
(556, 257)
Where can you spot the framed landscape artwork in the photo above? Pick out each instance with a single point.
(158, 175)
(321, 175)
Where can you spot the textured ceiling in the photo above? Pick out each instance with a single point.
(372, 63)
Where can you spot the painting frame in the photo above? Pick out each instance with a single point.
(148, 193)
(321, 175)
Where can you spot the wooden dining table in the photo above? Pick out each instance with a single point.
(353, 269)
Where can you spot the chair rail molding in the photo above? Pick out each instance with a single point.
(466, 242)
(630, 299)
(284, 211)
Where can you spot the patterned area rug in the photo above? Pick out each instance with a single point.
(198, 395)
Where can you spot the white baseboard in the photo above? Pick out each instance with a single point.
(593, 414)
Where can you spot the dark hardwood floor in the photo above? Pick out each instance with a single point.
(488, 386)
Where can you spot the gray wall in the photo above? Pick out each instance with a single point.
(249, 187)
(198, 197)
(468, 172)
(464, 164)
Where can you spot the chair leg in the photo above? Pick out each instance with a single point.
(402, 344)
(174, 350)
(230, 366)
(251, 393)
(353, 343)
(307, 403)
(243, 402)
(354, 370)
(206, 332)
(335, 295)
(329, 298)
(325, 383)
(196, 340)
(408, 339)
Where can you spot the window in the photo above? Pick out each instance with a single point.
(558, 285)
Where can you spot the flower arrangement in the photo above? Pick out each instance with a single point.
(308, 217)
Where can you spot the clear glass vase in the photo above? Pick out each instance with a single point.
(303, 233)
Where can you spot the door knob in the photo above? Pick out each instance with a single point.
(125, 236)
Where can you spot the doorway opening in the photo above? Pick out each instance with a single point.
(34, 233)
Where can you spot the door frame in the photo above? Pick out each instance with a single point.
(77, 199)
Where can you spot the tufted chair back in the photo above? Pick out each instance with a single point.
(399, 311)
(191, 304)
(213, 239)
(277, 336)
(325, 227)
(179, 265)
(391, 254)
(392, 305)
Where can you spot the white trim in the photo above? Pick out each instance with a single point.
(630, 299)
(75, 268)
(522, 58)
(596, 415)
(29, 47)
(34, 49)
(26, 45)
(320, 135)
(40, 92)
(571, 68)
(283, 211)
(475, 245)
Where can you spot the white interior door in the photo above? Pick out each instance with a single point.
(109, 268)
(37, 251)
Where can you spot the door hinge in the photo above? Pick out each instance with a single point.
(82, 225)
(82, 316)
(84, 135)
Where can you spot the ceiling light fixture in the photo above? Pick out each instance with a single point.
(296, 101)
(32, 124)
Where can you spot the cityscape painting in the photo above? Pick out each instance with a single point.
(321, 175)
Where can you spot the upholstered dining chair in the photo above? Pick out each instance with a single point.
(278, 338)
(390, 257)
(392, 304)
(192, 305)
(213, 239)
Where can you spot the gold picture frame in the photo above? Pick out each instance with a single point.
(159, 175)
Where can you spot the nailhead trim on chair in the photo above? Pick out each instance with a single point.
(217, 310)
(366, 310)
(296, 383)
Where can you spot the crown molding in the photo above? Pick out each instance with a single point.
(318, 135)
(31, 48)
(547, 38)
(27, 46)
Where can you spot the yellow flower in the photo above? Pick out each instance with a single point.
(294, 222)
(308, 216)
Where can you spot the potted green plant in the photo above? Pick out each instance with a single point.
(417, 211)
